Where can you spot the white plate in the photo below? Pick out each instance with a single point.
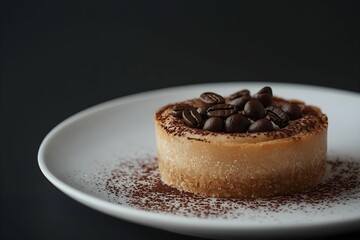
(72, 154)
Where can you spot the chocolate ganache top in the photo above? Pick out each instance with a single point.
(240, 117)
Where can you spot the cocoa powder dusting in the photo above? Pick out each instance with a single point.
(137, 183)
(311, 121)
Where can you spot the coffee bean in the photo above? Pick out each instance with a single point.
(261, 125)
(239, 103)
(292, 110)
(264, 96)
(211, 98)
(202, 110)
(254, 110)
(179, 108)
(277, 116)
(221, 110)
(192, 118)
(239, 94)
(266, 89)
(214, 124)
(236, 123)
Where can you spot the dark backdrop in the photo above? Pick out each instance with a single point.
(60, 57)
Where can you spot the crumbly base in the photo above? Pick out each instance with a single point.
(265, 186)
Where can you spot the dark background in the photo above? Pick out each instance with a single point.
(60, 57)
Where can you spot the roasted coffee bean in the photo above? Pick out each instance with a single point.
(202, 110)
(239, 94)
(192, 118)
(214, 124)
(261, 125)
(292, 110)
(211, 98)
(277, 116)
(236, 123)
(264, 96)
(254, 110)
(266, 89)
(240, 102)
(221, 110)
(179, 108)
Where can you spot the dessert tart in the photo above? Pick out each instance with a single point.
(241, 146)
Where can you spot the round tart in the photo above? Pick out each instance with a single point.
(241, 146)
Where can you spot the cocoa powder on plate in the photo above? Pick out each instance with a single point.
(137, 183)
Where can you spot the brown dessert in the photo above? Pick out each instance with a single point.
(241, 146)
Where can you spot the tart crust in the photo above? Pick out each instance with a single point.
(242, 165)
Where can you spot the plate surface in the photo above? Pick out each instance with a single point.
(78, 155)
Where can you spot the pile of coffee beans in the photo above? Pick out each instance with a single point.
(239, 113)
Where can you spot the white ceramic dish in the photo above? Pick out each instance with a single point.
(79, 146)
